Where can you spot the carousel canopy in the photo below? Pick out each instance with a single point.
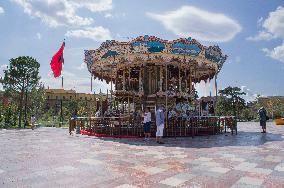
(188, 54)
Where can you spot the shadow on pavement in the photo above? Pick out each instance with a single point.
(222, 140)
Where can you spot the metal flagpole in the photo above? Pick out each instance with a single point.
(61, 109)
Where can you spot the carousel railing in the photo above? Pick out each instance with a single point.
(128, 126)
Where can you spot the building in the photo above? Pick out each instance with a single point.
(54, 97)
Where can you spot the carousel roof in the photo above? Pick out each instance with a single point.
(185, 52)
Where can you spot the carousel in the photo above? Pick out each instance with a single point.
(146, 72)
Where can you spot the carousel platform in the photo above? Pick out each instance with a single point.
(127, 127)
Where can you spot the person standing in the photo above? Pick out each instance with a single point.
(147, 124)
(263, 118)
(33, 120)
(160, 122)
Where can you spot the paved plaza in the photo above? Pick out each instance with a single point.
(49, 157)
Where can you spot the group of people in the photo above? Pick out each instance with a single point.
(160, 123)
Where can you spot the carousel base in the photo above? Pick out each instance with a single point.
(125, 127)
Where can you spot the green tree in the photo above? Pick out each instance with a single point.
(37, 101)
(230, 101)
(21, 77)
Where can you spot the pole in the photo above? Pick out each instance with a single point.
(216, 92)
(166, 94)
(61, 109)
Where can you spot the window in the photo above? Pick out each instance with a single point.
(80, 97)
(70, 97)
(63, 97)
(86, 98)
(56, 97)
(48, 97)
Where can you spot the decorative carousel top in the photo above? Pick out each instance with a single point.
(187, 53)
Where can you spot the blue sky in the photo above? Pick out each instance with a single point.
(251, 33)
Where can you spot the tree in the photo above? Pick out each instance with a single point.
(37, 101)
(20, 77)
(231, 102)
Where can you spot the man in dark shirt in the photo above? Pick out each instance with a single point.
(262, 118)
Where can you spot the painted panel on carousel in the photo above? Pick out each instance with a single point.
(109, 53)
(148, 46)
(186, 49)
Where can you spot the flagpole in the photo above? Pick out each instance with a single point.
(61, 109)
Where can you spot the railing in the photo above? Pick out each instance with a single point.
(127, 126)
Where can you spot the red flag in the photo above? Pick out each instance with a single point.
(57, 61)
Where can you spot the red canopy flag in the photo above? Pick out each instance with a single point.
(57, 61)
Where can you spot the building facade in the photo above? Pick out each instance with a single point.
(54, 96)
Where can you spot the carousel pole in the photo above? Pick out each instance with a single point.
(101, 103)
(123, 79)
(186, 79)
(166, 94)
(139, 86)
(128, 91)
(216, 92)
(179, 80)
(161, 79)
(205, 92)
(107, 103)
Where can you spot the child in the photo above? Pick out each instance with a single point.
(147, 124)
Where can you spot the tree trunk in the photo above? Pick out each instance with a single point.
(20, 108)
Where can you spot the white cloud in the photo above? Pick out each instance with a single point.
(189, 21)
(93, 5)
(262, 35)
(108, 15)
(82, 66)
(275, 23)
(38, 35)
(276, 53)
(63, 12)
(273, 27)
(2, 11)
(95, 33)
(4, 66)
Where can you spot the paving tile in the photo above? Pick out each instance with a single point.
(204, 159)
(280, 167)
(219, 170)
(260, 171)
(91, 161)
(65, 169)
(250, 181)
(126, 186)
(272, 158)
(210, 164)
(245, 166)
(172, 181)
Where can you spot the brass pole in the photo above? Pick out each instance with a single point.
(166, 94)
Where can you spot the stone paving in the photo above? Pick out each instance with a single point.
(49, 157)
